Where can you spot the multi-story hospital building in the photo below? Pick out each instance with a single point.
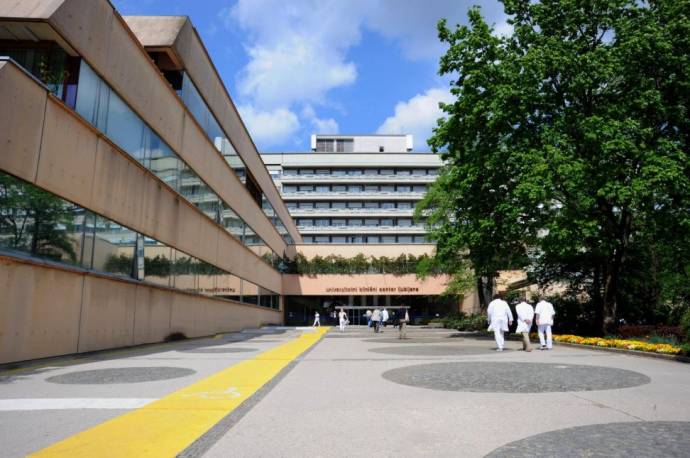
(134, 204)
(359, 189)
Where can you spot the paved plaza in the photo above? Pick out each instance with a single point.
(292, 392)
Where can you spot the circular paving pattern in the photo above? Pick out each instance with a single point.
(432, 350)
(497, 377)
(619, 440)
(120, 375)
(415, 340)
(220, 350)
(345, 335)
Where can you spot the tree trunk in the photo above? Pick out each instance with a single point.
(597, 301)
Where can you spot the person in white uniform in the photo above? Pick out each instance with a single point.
(317, 322)
(525, 317)
(376, 319)
(544, 314)
(342, 318)
(384, 317)
(500, 317)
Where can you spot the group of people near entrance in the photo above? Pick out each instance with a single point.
(501, 317)
(375, 319)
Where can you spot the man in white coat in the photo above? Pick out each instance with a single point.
(317, 321)
(525, 315)
(500, 317)
(544, 314)
(384, 317)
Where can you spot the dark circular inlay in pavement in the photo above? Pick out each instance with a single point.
(432, 350)
(120, 375)
(508, 377)
(219, 350)
(415, 340)
(612, 440)
(347, 336)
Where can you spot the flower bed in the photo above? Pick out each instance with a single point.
(665, 349)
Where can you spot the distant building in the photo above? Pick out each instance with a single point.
(355, 189)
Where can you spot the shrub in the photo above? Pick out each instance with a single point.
(685, 326)
(466, 323)
(640, 330)
(685, 349)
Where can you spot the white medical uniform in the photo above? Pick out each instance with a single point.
(317, 321)
(343, 319)
(499, 316)
(546, 312)
(524, 312)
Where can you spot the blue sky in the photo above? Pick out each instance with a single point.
(299, 67)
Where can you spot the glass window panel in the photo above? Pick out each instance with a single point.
(373, 239)
(356, 239)
(387, 239)
(321, 239)
(338, 222)
(322, 222)
(306, 205)
(403, 172)
(355, 204)
(355, 188)
(250, 292)
(306, 188)
(404, 188)
(404, 205)
(406, 222)
(338, 205)
(371, 171)
(289, 189)
(404, 239)
(291, 205)
(371, 188)
(387, 188)
(308, 239)
(419, 188)
(338, 239)
(339, 172)
(387, 222)
(289, 172)
(323, 171)
(418, 172)
(320, 188)
(322, 205)
(388, 205)
(387, 172)
(159, 263)
(371, 205)
(306, 171)
(339, 188)
(371, 222)
(228, 286)
(114, 248)
(354, 222)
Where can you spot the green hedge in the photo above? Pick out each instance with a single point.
(462, 322)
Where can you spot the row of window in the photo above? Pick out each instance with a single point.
(364, 239)
(103, 108)
(190, 96)
(287, 189)
(39, 224)
(354, 204)
(356, 222)
(361, 171)
(340, 145)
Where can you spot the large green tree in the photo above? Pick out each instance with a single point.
(566, 146)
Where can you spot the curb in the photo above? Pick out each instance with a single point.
(642, 354)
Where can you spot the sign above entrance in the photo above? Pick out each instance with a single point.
(362, 285)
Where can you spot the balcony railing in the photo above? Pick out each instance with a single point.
(414, 229)
(353, 195)
(357, 178)
(350, 211)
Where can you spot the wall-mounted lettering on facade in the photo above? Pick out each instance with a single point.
(372, 289)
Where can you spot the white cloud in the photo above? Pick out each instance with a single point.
(269, 128)
(319, 126)
(417, 116)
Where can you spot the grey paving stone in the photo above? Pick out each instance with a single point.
(612, 440)
(120, 375)
(511, 377)
(433, 350)
(219, 350)
(415, 340)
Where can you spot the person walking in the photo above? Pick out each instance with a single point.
(376, 319)
(544, 314)
(342, 318)
(500, 317)
(369, 313)
(402, 323)
(384, 317)
(317, 321)
(525, 315)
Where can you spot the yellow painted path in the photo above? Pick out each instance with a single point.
(167, 426)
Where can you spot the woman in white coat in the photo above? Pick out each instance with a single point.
(342, 318)
(500, 317)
